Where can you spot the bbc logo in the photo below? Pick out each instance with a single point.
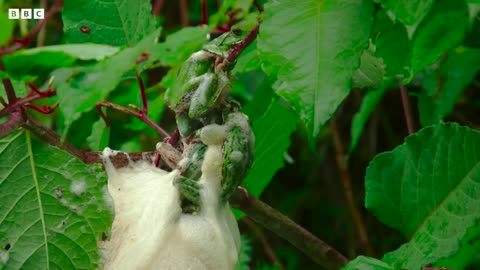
(26, 13)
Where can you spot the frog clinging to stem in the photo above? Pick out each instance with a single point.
(205, 117)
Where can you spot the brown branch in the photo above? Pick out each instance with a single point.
(7, 84)
(24, 41)
(261, 213)
(406, 106)
(259, 7)
(15, 120)
(184, 13)
(263, 240)
(347, 189)
(140, 115)
(51, 137)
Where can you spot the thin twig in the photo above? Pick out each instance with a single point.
(204, 12)
(347, 188)
(24, 41)
(22, 101)
(43, 31)
(184, 13)
(406, 106)
(142, 93)
(7, 84)
(259, 7)
(138, 114)
(263, 240)
(261, 213)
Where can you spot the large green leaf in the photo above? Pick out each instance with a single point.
(80, 88)
(119, 22)
(392, 44)
(427, 188)
(408, 12)
(272, 139)
(52, 211)
(309, 50)
(43, 60)
(443, 29)
(366, 263)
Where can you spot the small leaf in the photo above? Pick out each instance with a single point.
(52, 211)
(179, 46)
(427, 188)
(408, 12)
(366, 263)
(370, 72)
(369, 104)
(99, 137)
(115, 23)
(43, 60)
(272, 139)
(309, 50)
(443, 29)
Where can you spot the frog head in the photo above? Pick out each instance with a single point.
(222, 45)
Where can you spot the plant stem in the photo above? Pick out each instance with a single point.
(184, 13)
(15, 120)
(237, 50)
(157, 7)
(140, 115)
(347, 188)
(259, 7)
(316, 249)
(263, 240)
(406, 107)
(204, 12)
(21, 101)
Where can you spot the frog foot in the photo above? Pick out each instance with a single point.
(189, 190)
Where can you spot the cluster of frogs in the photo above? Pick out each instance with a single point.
(204, 116)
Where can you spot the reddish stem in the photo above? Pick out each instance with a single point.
(140, 115)
(259, 7)
(21, 101)
(142, 93)
(204, 12)
(184, 13)
(406, 107)
(238, 49)
(45, 110)
(157, 7)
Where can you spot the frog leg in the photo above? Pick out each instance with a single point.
(238, 156)
(189, 190)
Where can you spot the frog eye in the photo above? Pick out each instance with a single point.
(237, 31)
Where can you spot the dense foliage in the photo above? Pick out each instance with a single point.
(364, 112)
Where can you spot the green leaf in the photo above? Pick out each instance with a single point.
(99, 137)
(245, 254)
(80, 88)
(392, 44)
(408, 12)
(115, 23)
(443, 29)
(7, 28)
(427, 188)
(179, 46)
(43, 60)
(309, 50)
(53, 212)
(272, 139)
(468, 254)
(458, 71)
(369, 104)
(248, 60)
(366, 263)
(428, 110)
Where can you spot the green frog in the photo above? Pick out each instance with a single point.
(200, 86)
